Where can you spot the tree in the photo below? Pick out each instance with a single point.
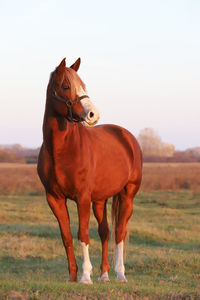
(152, 144)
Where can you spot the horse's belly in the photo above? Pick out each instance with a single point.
(111, 181)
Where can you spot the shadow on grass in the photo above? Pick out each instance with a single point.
(43, 231)
(38, 268)
(53, 232)
(35, 268)
(21, 265)
(147, 240)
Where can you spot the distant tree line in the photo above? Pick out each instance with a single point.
(8, 155)
(153, 148)
(18, 154)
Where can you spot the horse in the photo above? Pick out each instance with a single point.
(87, 164)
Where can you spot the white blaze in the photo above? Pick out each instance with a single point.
(91, 112)
(80, 91)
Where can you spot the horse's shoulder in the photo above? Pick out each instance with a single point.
(45, 164)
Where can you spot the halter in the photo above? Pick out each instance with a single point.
(68, 103)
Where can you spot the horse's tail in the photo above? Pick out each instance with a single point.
(115, 217)
(115, 211)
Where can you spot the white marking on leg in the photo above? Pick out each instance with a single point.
(104, 277)
(87, 266)
(119, 266)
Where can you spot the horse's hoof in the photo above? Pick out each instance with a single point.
(72, 278)
(104, 277)
(85, 279)
(121, 277)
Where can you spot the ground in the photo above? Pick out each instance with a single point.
(162, 257)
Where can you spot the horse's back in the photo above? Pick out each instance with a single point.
(111, 139)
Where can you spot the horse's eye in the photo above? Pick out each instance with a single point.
(65, 87)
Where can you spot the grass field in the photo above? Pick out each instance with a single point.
(163, 255)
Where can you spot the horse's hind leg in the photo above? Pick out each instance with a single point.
(100, 213)
(125, 209)
(59, 209)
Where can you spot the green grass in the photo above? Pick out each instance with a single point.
(163, 254)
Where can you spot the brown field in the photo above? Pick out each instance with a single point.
(171, 176)
(22, 178)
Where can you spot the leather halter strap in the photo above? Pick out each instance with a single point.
(68, 103)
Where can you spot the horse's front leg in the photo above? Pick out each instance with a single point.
(83, 205)
(59, 208)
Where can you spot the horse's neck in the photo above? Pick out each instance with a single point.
(57, 131)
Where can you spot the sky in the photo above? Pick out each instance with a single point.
(140, 63)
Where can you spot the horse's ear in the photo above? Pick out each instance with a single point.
(60, 69)
(76, 65)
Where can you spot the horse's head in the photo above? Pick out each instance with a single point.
(69, 95)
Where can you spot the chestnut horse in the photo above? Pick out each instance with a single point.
(88, 165)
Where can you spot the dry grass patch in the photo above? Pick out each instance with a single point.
(171, 176)
(29, 246)
(23, 179)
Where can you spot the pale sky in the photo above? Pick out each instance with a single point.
(140, 63)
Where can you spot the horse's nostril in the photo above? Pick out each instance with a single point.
(91, 114)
